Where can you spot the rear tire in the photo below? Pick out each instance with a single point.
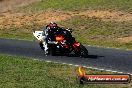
(52, 50)
(53, 53)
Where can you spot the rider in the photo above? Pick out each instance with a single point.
(48, 32)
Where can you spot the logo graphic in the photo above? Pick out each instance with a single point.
(82, 77)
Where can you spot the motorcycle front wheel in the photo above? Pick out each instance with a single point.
(81, 51)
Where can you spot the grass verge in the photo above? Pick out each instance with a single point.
(23, 72)
(90, 31)
(80, 5)
(93, 31)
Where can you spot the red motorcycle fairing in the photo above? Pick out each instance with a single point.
(76, 44)
(66, 46)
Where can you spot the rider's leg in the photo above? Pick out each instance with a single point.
(45, 45)
(46, 48)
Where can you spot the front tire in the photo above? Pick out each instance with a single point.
(83, 51)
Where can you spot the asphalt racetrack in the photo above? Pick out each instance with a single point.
(103, 58)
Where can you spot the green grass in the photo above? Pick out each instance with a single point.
(91, 31)
(23, 72)
(73, 5)
(96, 32)
(86, 30)
(24, 32)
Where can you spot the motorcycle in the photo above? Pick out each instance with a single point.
(61, 44)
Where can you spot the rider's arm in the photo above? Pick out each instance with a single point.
(45, 32)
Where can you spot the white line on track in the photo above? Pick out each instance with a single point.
(86, 67)
(48, 61)
(76, 65)
(93, 67)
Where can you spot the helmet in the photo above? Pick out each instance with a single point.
(52, 25)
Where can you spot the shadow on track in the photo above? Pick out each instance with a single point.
(74, 55)
(94, 56)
